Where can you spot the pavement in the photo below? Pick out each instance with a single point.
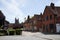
(31, 36)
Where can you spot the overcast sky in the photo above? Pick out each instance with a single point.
(22, 8)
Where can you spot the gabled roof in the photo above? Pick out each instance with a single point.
(55, 11)
(58, 10)
(1, 14)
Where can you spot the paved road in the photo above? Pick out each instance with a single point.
(31, 36)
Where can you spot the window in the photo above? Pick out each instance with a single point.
(50, 17)
(34, 21)
(40, 19)
(35, 27)
(46, 17)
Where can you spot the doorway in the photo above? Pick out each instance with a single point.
(51, 27)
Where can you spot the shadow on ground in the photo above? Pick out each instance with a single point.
(50, 33)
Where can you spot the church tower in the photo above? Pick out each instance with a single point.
(16, 21)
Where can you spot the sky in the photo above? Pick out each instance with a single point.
(22, 8)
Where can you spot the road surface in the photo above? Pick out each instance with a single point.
(31, 36)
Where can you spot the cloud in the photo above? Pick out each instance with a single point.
(17, 8)
(11, 9)
(58, 3)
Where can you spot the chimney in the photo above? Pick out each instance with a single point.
(28, 17)
(52, 5)
(40, 13)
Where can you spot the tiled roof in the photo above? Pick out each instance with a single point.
(56, 10)
(1, 14)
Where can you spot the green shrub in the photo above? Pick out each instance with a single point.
(3, 32)
(11, 32)
(18, 31)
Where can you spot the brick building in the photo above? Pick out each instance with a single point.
(49, 21)
(3, 23)
(37, 22)
(51, 17)
(27, 24)
(34, 23)
(2, 18)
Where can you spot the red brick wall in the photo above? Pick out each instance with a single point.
(47, 12)
(58, 20)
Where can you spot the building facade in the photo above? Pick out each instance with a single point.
(50, 18)
(46, 22)
(2, 18)
(34, 23)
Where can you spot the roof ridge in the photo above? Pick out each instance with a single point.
(54, 11)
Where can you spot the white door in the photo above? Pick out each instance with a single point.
(57, 27)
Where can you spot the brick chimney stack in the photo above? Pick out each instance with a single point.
(52, 5)
(28, 18)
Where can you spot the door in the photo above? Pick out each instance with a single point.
(51, 27)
